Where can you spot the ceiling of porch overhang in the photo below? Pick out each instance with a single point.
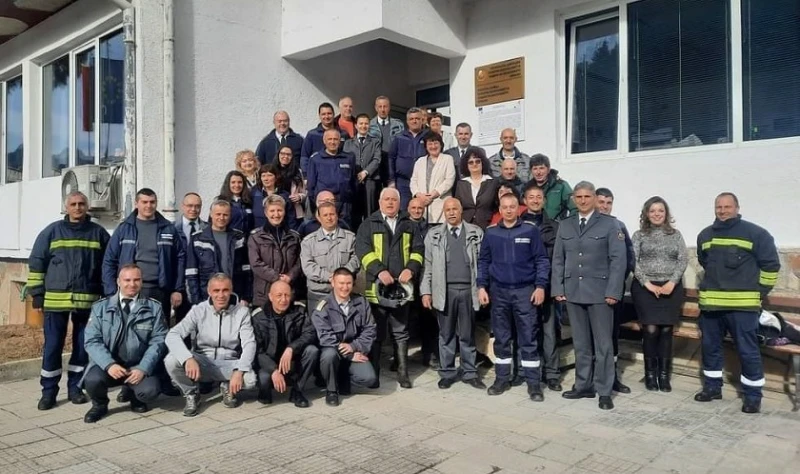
(17, 16)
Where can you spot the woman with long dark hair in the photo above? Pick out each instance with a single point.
(477, 190)
(268, 184)
(292, 181)
(657, 291)
(234, 190)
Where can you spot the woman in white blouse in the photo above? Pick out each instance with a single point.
(432, 179)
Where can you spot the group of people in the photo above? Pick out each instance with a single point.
(262, 292)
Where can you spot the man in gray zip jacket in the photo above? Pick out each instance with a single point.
(449, 286)
(125, 342)
(325, 250)
(225, 347)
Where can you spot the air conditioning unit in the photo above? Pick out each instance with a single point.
(99, 183)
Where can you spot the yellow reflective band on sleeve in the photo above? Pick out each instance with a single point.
(35, 278)
(406, 248)
(368, 259)
(768, 278)
(371, 293)
(720, 242)
(730, 299)
(74, 243)
(377, 251)
(65, 300)
(417, 257)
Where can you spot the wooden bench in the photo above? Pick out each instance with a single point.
(688, 329)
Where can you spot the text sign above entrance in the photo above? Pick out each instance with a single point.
(500, 82)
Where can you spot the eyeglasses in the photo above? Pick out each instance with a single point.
(474, 162)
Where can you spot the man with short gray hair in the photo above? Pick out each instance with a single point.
(224, 347)
(406, 148)
(281, 135)
(508, 138)
(589, 263)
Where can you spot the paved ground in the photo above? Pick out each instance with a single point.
(459, 431)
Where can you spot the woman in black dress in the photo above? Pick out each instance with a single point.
(477, 190)
(657, 292)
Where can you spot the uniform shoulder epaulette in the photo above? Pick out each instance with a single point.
(197, 232)
(153, 300)
(255, 230)
(256, 311)
(321, 305)
(300, 303)
(105, 298)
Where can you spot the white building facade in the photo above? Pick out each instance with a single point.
(648, 97)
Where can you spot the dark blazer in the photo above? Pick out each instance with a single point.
(480, 212)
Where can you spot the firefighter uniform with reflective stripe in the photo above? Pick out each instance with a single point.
(741, 266)
(379, 249)
(512, 264)
(65, 278)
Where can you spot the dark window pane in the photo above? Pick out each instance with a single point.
(771, 68)
(84, 108)
(679, 73)
(596, 87)
(112, 105)
(55, 154)
(13, 123)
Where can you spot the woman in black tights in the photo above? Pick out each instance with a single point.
(657, 292)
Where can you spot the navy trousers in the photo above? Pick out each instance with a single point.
(743, 327)
(55, 334)
(513, 313)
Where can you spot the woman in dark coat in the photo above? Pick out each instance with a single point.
(477, 190)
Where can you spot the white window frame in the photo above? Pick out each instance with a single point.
(593, 13)
(92, 44)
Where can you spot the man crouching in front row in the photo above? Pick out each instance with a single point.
(224, 347)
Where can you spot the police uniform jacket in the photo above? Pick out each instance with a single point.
(65, 265)
(589, 266)
(298, 332)
(333, 327)
(144, 333)
(513, 257)
(741, 265)
(334, 173)
(204, 260)
(313, 143)
(379, 249)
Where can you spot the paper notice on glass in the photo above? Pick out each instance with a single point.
(493, 119)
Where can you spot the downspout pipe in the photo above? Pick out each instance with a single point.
(128, 192)
(169, 210)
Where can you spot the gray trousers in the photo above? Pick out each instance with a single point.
(592, 323)
(458, 319)
(333, 367)
(211, 370)
(550, 336)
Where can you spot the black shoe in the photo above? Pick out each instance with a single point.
(205, 388)
(554, 385)
(125, 395)
(606, 403)
(535, 393)
(444, 384)
(139, 406)
(576, 394)
(707, 396)
(95, 414)
(332, 399)
(650, 368)
(78, 398)
(498, 387)
(620, 387)
(265, 396)
(299, 400)
(751, 406)
(517, 381)
(475, 383)
(46, 402)
(664, 370)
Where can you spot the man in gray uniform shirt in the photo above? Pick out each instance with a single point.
(588, 273)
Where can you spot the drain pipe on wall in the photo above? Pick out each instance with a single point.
(168, 208)
(128, 192)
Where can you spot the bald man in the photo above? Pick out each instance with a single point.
(286, 346)
(508, 138)
(334, 171)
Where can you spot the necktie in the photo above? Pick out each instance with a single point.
(454, 231)
(383, 122)
(461, 155)
(192, 227)
(361, 140)
(283, 140)
(583, 223)
(126, 306)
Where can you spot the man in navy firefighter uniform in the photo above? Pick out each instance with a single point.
(64, 279)
(741, 266)
(513, 266)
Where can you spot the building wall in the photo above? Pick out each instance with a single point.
(765, 175)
